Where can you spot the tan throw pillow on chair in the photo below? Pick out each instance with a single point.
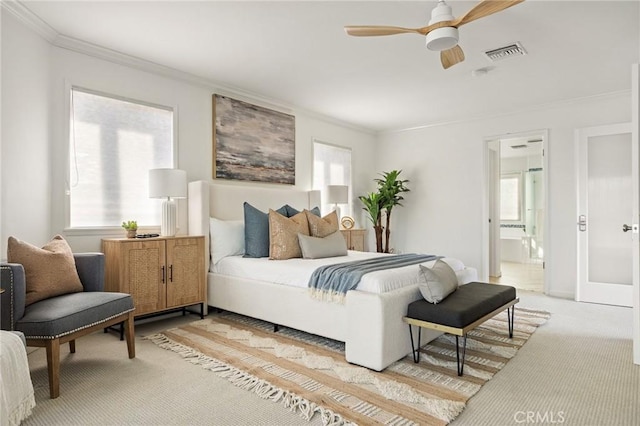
(322, 226)
(49, 271)
(283, 235)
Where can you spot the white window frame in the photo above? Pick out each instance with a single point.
(106, 230)
(325, 206)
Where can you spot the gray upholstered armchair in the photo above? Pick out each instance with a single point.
(52, 322)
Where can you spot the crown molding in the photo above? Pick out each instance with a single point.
(532, 108)
(40, 27)
(30, 19)
(99, 52)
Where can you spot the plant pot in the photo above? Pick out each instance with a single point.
(131, 233)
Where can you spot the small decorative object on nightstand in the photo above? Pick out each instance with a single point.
(354, 238)
(347, 222)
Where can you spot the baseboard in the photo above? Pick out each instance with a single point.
(562, 295)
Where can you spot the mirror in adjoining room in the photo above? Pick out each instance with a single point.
(520, 205)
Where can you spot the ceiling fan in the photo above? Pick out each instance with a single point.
(442, 31)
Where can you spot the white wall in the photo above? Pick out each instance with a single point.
(444, 212)
(47, 146)
(25, 148)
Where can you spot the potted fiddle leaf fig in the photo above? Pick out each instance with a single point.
(390, 188)
(373, 206)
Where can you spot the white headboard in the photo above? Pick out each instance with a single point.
(225, 201)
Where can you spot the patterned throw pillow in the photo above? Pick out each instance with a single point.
(439, 281)
(49, 271)
(322, 226)
(283, 235)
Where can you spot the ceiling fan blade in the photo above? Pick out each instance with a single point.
(452, 56)
(485, 8)
(369, 30)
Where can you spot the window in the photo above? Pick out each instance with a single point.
(510, 198)
(113, 144)
(331, 166)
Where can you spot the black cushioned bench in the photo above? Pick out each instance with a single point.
(460, 312)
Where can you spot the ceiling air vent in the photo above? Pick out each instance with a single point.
(505, 52)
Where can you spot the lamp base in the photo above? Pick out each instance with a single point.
(168, 224)
(337, 209)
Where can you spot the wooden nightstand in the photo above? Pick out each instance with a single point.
(162, 274)
(354, 238)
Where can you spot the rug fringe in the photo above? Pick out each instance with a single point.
(260, 387)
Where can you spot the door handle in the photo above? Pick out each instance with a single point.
(626, 228)
(582, 223)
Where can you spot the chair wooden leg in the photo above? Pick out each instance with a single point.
(130, 335)
(53, 367)
(72, 346)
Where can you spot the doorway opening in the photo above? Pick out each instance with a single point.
(517, 187)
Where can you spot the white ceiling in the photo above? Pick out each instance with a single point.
(296, 52)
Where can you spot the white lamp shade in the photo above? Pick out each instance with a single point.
(164, 183)
(337, 194)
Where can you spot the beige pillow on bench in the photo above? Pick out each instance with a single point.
(439, 281)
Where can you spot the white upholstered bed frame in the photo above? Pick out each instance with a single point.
(370, 324)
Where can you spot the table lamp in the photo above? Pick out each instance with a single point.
(337, 194)
(168, 184)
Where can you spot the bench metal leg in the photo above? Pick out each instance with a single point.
(464, 351)
(415, 352)
(510, 318)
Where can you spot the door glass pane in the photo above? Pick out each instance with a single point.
(609, 206)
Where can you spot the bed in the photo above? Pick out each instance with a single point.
(370, 324)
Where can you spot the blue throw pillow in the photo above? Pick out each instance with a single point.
(291, 212)
(256, 231)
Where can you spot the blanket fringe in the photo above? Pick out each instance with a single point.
(327, 295)
(243, 380)
(23, 410)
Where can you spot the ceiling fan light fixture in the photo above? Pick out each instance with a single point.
(442, 38)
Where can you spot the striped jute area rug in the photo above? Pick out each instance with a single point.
(309, 374)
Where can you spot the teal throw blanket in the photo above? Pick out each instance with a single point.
(331, 282)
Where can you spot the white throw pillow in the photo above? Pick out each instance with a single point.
(227, 239)
(456, 264)
(439, 281)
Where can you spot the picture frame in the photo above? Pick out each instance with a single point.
(252, 143)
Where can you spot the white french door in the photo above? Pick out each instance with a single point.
(607, 215)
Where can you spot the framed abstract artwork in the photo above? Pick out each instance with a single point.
(252, 143)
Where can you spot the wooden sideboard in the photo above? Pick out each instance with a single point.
(161, 274)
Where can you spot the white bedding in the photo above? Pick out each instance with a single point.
(296, 272)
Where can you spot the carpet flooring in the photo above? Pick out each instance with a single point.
(576, 368)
